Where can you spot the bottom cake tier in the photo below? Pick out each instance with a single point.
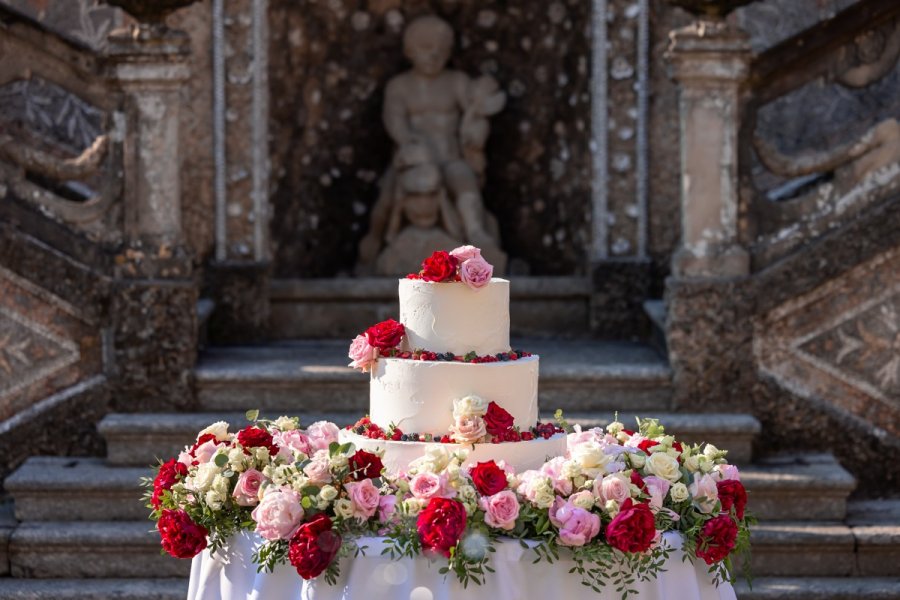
(521, 456)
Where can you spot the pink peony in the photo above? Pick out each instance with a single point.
(362, 354)
(246, 490)
(576, 526)
(426, 486)
(319, 469)
(476, 272)
(579, 437)
(657, 488)
(387, 508)
(468, 430)
(553, 469)
(206, 450)
(500, 510)
(464, 253)
(364, 498)
(289, 442)
(278, 515)
(612, 487)
(322, 434)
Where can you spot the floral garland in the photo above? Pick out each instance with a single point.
(463, 264)
(606, 503)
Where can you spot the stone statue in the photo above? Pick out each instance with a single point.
(431, 194)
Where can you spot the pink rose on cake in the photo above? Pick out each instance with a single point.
(426, 486)
(476, 272)
(464, 253)
(468, 430)
(364, 499)
(500, 510)
(362, 355)
(279, 514)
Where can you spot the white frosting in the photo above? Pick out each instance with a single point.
(519, 455)
(417, 396)
(451, 317)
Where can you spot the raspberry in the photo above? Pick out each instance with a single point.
(446, 439)
(527, 436)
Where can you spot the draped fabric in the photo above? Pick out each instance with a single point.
(231, 575)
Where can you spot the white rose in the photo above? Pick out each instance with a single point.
(663, 465)
(286, 423)
(712, 453)
(204, 477)
(706, 465)
(343, 508)
(298, 482)
(218, 429)
(412, 506)
(469, 406)
(692, 463)
(614, 428)
(678, 492)
(637, 460)
(570, 469)
(215, 500)
(544, 494)
(612, 507)
(261, 454)
(583, 499)
(591, 458)
(328, 493)
(435, 460)
(237, 460)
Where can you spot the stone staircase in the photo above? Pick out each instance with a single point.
(76, 528)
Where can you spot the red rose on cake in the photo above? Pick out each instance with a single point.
(385, 335)
(441, 525)
(440, 266)
(497, 420)
(181, 537)
(314, 546)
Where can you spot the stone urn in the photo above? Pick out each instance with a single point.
(715, 9)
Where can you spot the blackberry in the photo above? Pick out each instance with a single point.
(360, 430)
(404, 438)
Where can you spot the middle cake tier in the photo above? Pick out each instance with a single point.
(417, 396)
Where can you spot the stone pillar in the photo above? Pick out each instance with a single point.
(709, 304)
(154, 294)
(709, 60)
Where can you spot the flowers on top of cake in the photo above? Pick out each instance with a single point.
(383, 340)
(463, 264)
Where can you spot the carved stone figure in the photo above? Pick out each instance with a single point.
(431, 194)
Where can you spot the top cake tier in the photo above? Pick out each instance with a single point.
(452, 317)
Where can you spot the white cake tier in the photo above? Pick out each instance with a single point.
(417, 396)
(451, 317)
(521, 456)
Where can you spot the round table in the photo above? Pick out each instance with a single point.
(231, 574)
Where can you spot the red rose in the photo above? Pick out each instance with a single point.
(440, 266)
(314, 546)
(257, 437)
(181, 537)
(633, 529)
(488, 478)
(168, 475)
(206, 437)
(497, 420)
(385, 335)
(645, 445)
(441, 525)
(637, 480)
(716, 539)
(732, 493)
(365, 465)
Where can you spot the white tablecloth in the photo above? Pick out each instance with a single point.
(231, 575)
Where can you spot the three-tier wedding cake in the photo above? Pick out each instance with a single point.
(452, 379)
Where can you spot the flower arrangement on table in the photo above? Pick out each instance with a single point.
(606, 503)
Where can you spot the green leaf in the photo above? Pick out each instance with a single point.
(310, 490)
(333, 448)
(221, 460)
(252, 415)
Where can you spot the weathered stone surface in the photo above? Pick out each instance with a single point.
(7, 524)
(784, 549)
(82, 489)
(619, 289)
(819, 588)
(241, 293)
(116, 549)
(878, 549)
(82, 589)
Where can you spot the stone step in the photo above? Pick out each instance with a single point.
(343, 307)
(795, 487)
(876, 527)
(49, 488)
(312, 376)
(656, 313)
(801, 549)
(732, 432)
(7, 524)
(139, 439)
(819, 588)
(75, 549)
(92, 589)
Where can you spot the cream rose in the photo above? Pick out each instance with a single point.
(678, 492)
(468, 430)
(663, 465)
(469, 406)
(218, 429)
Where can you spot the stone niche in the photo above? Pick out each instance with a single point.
(329, 61)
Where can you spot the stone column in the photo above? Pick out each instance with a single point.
(708, 328)
(709, 60)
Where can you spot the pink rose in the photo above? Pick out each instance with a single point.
(476, 272)
(500, 510)
(387, 508)
(185, 458)
(289, 442)
(657, 488)
(319, 469)
(206, 450)
(246, 490)
(612, 487)
(726, 472)
(579, 437)
(426, 486)
(705, 492)
(464, 253)
(278, 515)
(364, 498)
(321, 434)
(468, 430)
(553, 469)
(576, 525)
(362, 354)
